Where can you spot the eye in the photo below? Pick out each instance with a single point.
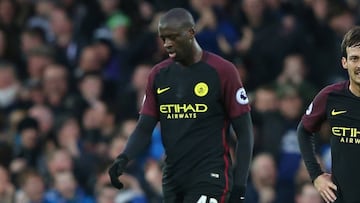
(172, 37)
(354, 58)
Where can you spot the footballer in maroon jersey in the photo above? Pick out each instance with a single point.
(338, 104)
(196, 96)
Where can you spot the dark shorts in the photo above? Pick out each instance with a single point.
(200, 193)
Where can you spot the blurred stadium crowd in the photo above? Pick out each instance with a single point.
(73, 74)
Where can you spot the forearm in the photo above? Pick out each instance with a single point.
(307, 146)
(141, 137)
(244, 148)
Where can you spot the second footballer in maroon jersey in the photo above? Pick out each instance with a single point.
(339, 105)
(196, 96)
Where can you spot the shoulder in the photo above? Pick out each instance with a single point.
(217, 61)
(336, 87)
(163, 64)
(221, 65)
(316, 112)
(158, 67)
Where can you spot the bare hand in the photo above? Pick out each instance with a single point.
(325, 187)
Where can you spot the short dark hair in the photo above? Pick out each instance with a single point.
(96, 74)
(43, 51)
(179, 15)
(27, 123)
(4, 64)
(36, 31)
(351, 39)
(26, 174)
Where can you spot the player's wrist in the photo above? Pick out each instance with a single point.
(123, 157)
(314, 176)
(121, 162)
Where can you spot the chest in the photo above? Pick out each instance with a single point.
(343, 114)
(193, 85)
(343, 110)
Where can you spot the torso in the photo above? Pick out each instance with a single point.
(190, 103)
(341, 109)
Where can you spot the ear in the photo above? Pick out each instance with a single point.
(344, 62)
(192, 32)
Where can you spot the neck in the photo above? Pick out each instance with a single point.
(355, 89)
(195, 56)
(198, 52)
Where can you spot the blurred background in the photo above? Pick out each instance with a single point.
(73, 75)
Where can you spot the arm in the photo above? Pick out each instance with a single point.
(141, 137)
(322, 181)
(307, 146)
(138, 142)
(243, 128)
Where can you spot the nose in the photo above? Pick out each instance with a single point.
(168, 43)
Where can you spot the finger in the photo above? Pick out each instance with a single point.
(333, 186)
(114, 171)
(324, 197)
(116, 183)
(119, 171)
(112, 174)
(330, 193)
(329, 196)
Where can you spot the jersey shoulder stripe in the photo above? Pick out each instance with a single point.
(315, 115)
(149, 107)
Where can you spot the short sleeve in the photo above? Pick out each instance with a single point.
(149, 106)
(315, 114)
(234, 95)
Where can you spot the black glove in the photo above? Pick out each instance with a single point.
(116, 169)
(237, 194)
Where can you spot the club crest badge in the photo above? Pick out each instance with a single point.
(201, 89)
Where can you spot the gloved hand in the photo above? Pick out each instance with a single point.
(237, 194)
(116, 169)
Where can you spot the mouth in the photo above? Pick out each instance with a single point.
(172, 53)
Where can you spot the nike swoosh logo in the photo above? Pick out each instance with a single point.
(162, 90)
(334, 113)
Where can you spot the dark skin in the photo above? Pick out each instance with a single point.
(176, 29)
